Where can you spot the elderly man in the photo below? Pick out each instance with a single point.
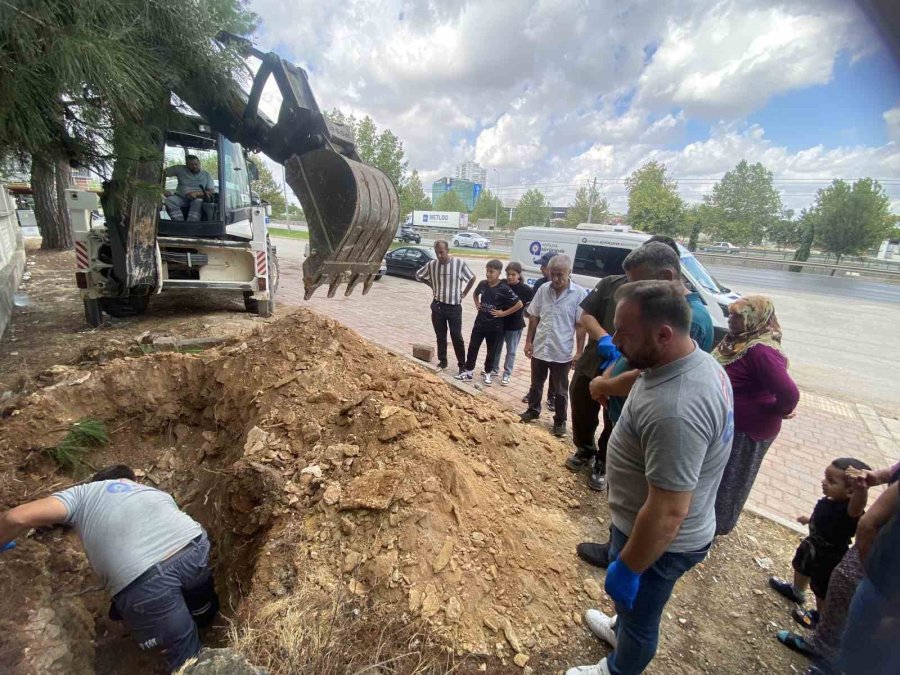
(552, 331)
(666, 457)
(152, 558)
(450, 280)
(193, 185)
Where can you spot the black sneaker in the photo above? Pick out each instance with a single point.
(579, 459)
(559, 430)
(442, 365)
(529, 415)
(597, 481)
(594, 554)
(786, 588)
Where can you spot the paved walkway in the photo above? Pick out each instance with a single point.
(395, 314)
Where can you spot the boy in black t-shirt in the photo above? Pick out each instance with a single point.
(513, 324)
(494, 300)
(831, 527)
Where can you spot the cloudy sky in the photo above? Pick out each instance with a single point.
(552, 93)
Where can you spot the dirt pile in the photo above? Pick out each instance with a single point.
(322, 465)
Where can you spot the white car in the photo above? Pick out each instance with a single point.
(470, 239)
(722, 247)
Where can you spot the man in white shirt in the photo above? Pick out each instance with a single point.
(553, 332)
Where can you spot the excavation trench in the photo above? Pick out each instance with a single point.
(350, 496)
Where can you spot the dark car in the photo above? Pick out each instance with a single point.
(408, 235)
(407, 260)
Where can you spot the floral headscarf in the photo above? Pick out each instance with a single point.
(760, 327)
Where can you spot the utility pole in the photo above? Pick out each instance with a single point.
(591, 194)
(287, 212)
(497, 201)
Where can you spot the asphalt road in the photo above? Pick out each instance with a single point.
(745, 280)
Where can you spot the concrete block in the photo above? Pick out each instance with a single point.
(423, 352)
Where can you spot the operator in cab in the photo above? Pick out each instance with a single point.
(152, 558)
(193, 185)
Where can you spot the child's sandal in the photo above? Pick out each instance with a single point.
(786, 588)
(807, 619)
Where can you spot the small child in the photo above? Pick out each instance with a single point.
(512, 323)
(494, 300)
(831, 527)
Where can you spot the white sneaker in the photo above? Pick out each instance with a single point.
(604, 627)
(464, 375)
(505, 380)
(597, 669)
(487, 378)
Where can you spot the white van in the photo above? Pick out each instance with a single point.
(596, 254)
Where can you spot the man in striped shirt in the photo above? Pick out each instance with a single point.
(450, 280)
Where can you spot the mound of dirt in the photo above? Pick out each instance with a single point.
(322, 465)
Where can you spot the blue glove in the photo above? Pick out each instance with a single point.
(621, 583)
(7, 547)
(607, 352)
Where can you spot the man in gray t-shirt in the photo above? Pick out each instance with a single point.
(152, 557)
(666, 457)
(193, 185)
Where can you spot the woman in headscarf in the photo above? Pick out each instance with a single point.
(764, 395)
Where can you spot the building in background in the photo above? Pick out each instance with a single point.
(472, 171)
(466, 189)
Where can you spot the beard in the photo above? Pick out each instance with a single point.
(643, 357)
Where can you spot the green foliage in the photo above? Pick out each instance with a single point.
(450, 201)
(851, 218)
(785, 231)
(83, 436)
(487, 207)
(653, 202)
(412, 196)
(382, 150)
(588, 201)
(533, 210)
(746, 203)
(807, 227)
(268, 188)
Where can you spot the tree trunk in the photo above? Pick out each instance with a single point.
(51, 215)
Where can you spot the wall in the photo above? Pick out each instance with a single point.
(12, 256)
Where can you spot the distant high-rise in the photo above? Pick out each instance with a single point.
(472, 171)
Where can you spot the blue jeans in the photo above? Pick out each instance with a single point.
(511, 340)
(870, 642)
(155, 610)
(637, 629)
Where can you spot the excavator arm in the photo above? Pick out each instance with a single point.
(352, 209)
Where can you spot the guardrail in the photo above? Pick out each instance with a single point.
(825, 259)
(890, 275)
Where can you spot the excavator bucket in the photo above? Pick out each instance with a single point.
(352, 210)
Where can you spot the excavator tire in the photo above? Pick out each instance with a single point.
(352, 210)
(123, 308)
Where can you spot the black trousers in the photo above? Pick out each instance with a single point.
(445, 316)
(586, 417)
(559, 381)
(494, 339)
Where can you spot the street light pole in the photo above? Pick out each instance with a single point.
(497, 200)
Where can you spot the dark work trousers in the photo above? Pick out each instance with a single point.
(442, 317)
(493, 337)
(559, 379)
(585, 412)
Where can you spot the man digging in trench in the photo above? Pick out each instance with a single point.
(152, 557)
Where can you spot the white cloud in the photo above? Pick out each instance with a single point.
(553, 92)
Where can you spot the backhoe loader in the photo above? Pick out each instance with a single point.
(352, 209)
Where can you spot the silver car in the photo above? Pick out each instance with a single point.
(470, 240)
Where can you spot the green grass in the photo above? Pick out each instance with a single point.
(83, 436)
(288, 234)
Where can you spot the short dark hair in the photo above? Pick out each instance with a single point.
(441, 242)
(659, 301)
(514, 267)
(495, 265)
(114, 472)
(654, 257)
(188, 158)
(663, 239)
(844, 463)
